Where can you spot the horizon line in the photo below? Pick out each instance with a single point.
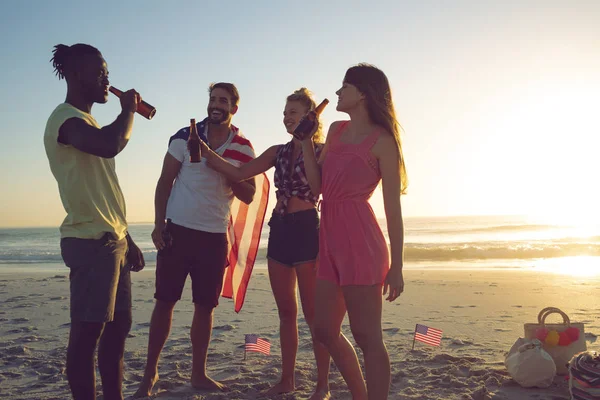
(378, 218)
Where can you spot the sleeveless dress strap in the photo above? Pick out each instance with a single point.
(371, 139)
(338, 132)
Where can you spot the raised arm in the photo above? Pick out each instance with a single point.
(244, 190)
(246, 171)
(105, 142)
(332, 128)
(386, 151)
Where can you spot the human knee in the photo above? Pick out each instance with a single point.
(366, 339)
(203, 310)
(287, 312)
(326, 335)
(83, 332)
(122, 321)
(309, 317)
(164, 306)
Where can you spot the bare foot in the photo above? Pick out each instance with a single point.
(281, 387)
(320, 394)
(206, 383)
(145, 389)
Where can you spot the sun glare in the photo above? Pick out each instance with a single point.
(583, 266)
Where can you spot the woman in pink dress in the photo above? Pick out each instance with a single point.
(355, 267)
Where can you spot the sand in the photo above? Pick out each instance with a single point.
(481, 314)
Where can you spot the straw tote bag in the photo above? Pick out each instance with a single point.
(561, 340)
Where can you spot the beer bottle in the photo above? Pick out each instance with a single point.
(307, 123)
(194, 142)
(144, 109)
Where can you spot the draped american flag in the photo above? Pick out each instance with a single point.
(427, 335)
(257, 344)
(245, 225)
(245, 221)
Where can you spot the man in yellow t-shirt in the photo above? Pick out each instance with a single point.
(94, 243)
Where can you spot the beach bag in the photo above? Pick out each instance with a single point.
(529, 364)
(562, 341)
(584, 376)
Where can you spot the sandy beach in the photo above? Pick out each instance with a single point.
(481, 314)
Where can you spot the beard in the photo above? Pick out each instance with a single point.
(224, 117)
(94, 93)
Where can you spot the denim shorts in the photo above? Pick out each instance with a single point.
(294, 238)
(99, 278)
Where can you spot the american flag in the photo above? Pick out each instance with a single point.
(257, 344)
(245, 221)
(245, 226)
(427, 335)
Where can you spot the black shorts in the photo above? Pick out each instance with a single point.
(294, 238)
(202, 255)
(100, 277)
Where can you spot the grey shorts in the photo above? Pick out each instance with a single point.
(100, 277)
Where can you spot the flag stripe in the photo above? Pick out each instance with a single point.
(256, 344)
(245, 224)
(237, 155)
(427, 335)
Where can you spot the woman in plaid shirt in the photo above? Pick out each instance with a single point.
(294, 233)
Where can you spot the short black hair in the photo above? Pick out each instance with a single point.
(65, 57)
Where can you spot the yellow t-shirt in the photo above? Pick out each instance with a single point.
(88, 184)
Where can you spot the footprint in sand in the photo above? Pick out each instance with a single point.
(25, 329)
(26, 305)
(15, 298)
(225, 327)
(28, 339)
(459, 342)
(11, 374)
(18, 351)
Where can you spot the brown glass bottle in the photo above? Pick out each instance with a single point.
(144, 109)
(194, 143)
(307, 122)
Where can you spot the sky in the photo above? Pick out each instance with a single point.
(499, 101)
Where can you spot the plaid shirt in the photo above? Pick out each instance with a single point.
(292, 183)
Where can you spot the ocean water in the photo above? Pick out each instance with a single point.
(440, 242)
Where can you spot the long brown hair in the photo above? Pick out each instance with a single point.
(305, 97)
(372, 82)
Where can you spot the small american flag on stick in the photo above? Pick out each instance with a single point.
(257, 344)
(427, 335)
